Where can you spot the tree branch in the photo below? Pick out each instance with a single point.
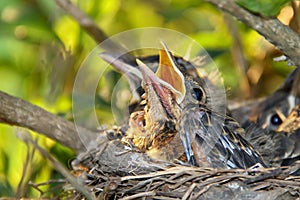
(280, 35)
(85, 21)
(93, 30)
(15, 111)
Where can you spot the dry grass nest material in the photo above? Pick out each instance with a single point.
(110, 172)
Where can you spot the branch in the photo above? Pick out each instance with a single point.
(18, 112)
(85, 21)
(280, 35)
(15, 111)
(108, 155)
(93, 30)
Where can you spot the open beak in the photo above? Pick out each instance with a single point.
(168, 72)
(160, 93)
(167, 85)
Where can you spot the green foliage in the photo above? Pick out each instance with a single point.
(268, 8)
(42, 49)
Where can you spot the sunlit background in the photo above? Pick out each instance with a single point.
(41, 49)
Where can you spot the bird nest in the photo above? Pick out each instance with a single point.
(110, 171)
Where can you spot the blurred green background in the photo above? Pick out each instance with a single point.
(41, 49)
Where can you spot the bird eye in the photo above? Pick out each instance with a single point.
(275, 119)
(197, 94)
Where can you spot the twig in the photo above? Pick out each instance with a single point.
(173, 170)
(142, 194)
(37, 186)
(189, 191)
(26, 170)
(264, 176)
(165, 198)
(204, 189)
(141, 184)
(58, 166)
(48, 182)
(85, 21)
(188, 179)
(15, 111)
(94, 31)
(283, 182)
(280, 35)
(238, 54)
(260, 186)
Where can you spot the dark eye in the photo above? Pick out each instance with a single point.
(197, 94)
(275, 119)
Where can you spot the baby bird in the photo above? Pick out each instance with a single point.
(277, 116)
(176, 122)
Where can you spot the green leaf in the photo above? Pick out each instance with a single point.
(267, 8)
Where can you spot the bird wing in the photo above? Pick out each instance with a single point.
(213, 140)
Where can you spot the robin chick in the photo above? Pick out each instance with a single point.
(270, 112)
(192, 69)
(176, 113)
(277, 117)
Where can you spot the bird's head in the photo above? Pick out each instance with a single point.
(164, 92)
(168, 90)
